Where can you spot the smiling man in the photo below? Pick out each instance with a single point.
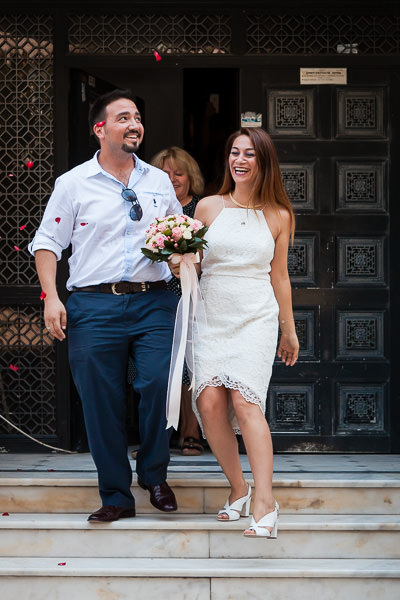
(119, 304)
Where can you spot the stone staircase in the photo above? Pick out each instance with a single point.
(338, 537)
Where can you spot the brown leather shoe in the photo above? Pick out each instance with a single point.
(111, 513)
(161, 496)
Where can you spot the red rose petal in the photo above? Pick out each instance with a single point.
(43, 295)
(16, 248)
(57, 219)
(23, 227)
(13, 367)
(83, 224)
(10, 175)
(100, 124)
(158, 57)
(29, 164)
(6, 514)
(62, 564)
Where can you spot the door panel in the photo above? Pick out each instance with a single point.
(334, 150)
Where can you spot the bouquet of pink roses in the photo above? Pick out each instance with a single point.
(173, 234)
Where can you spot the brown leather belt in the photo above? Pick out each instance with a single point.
(123, 287)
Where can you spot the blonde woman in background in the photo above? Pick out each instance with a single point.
(188, 183)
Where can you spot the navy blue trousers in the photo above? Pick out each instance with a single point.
(103, 331)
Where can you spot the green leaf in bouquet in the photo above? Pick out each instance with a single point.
(201, 232)
(149, 253)
(196, 246)
(183, 246)
(153, 256)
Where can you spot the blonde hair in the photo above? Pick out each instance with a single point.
(182, 159)
(268, 187)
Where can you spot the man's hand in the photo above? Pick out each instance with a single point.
(55, 318)
(175, 269)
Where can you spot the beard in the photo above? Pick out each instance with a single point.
(130, 146)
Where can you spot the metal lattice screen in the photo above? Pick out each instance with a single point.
(167, 34)
(27, 374)
(27, 377)
(26, 136)
(323, 34)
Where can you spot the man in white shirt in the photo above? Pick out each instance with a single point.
(119, 304)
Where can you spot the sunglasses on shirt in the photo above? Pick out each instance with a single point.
(136, 212)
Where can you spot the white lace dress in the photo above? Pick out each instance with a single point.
(239, 347)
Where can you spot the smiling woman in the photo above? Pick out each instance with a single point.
(247, 295)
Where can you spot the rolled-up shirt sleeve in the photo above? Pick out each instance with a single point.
(55, 230)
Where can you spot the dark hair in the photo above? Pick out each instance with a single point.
(97, 111)
(268, 189)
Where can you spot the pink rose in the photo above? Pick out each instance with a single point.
(176, 233)
(196, 225)
(162, 226)
(160, 241)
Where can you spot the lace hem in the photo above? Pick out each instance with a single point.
(227, 382)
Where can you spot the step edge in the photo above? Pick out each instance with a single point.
(202, 568)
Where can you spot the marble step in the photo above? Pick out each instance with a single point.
(198, 536)
(306, 493)
(200, 578)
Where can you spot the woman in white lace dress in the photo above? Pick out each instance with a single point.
(247, 294)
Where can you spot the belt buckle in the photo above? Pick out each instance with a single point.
(114, 291)
(143, 286)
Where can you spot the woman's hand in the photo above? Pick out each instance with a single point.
(288, 349)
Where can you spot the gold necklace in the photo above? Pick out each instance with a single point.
(243, 205)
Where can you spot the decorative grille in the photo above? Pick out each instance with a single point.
(360, 113)
(361, 187)
(361, 261)
(27, 375)
(302, 261)
(360, 335)
(299, 184)
(323, 34)
(291, 408)
(291, 112)
(144, 34)
(361, 408)
(26, 136)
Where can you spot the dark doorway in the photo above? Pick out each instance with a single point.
(211, 114)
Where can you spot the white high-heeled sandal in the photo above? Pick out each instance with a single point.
(260, 527)
(239, 508)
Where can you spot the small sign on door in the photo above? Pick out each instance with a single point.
(250, 119)
(322, 76)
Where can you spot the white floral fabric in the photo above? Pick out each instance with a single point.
(239, 346)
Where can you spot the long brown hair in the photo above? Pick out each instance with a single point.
(268, 188)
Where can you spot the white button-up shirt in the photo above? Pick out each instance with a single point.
(87, 210)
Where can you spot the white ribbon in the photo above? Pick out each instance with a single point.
(190, 313)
